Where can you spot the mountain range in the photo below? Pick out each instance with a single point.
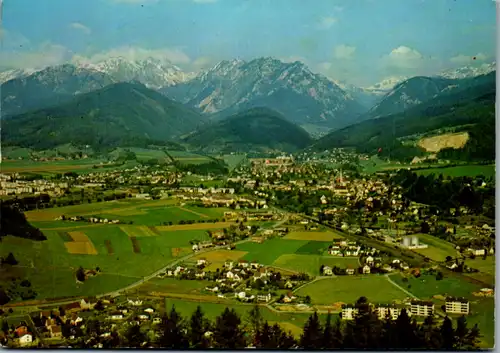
(153, 99)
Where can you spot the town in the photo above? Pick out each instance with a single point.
(281, 233)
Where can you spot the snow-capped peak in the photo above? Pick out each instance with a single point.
(469, 71)
(153, 72)
(385, 85)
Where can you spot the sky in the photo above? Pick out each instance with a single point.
(356, 41)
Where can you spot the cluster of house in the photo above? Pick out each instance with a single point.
(222, 197)
(8, 186)
(453, 305)
(90, 219)
(230, 278)
(49, 323)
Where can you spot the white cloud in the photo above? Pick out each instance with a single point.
(47, 54)
(404, 57)
(326, 22)
(80, 27)
(203, 62)
(468, 59)
(338, 8)
(344, 51)
(174, 55)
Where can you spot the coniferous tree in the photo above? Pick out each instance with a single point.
(197, 328)
(172, 331)
(10, 259)
(405, 333)
(472, 338)
(228, 332)
(430, 337)
(447, 334)
(332, 334)
(135, 337)
(367, 326)
(312, 335)
(388, 338)
(263, 336)
(255, 319)
(461, 332)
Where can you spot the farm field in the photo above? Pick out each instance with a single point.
(144, 212)
(438, 249)
(426, 286)
(326, 236)
(267, 252)
(50, 267)
(311, 264)
(347, 289)
(463, 170)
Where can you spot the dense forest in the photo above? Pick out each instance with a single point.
(448, 193)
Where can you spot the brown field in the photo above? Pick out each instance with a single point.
(109, 247)
(178, 252)
(135, 245)
(81, 248)
(195, 226)
(138, 231)
(79, 237)
(221, 255)
(437, 143)
(317, 236)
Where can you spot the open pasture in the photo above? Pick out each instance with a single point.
(348, 289)
(310, 235)
(437, 249)
(267, 252)
(313, 248)
(426, 286)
